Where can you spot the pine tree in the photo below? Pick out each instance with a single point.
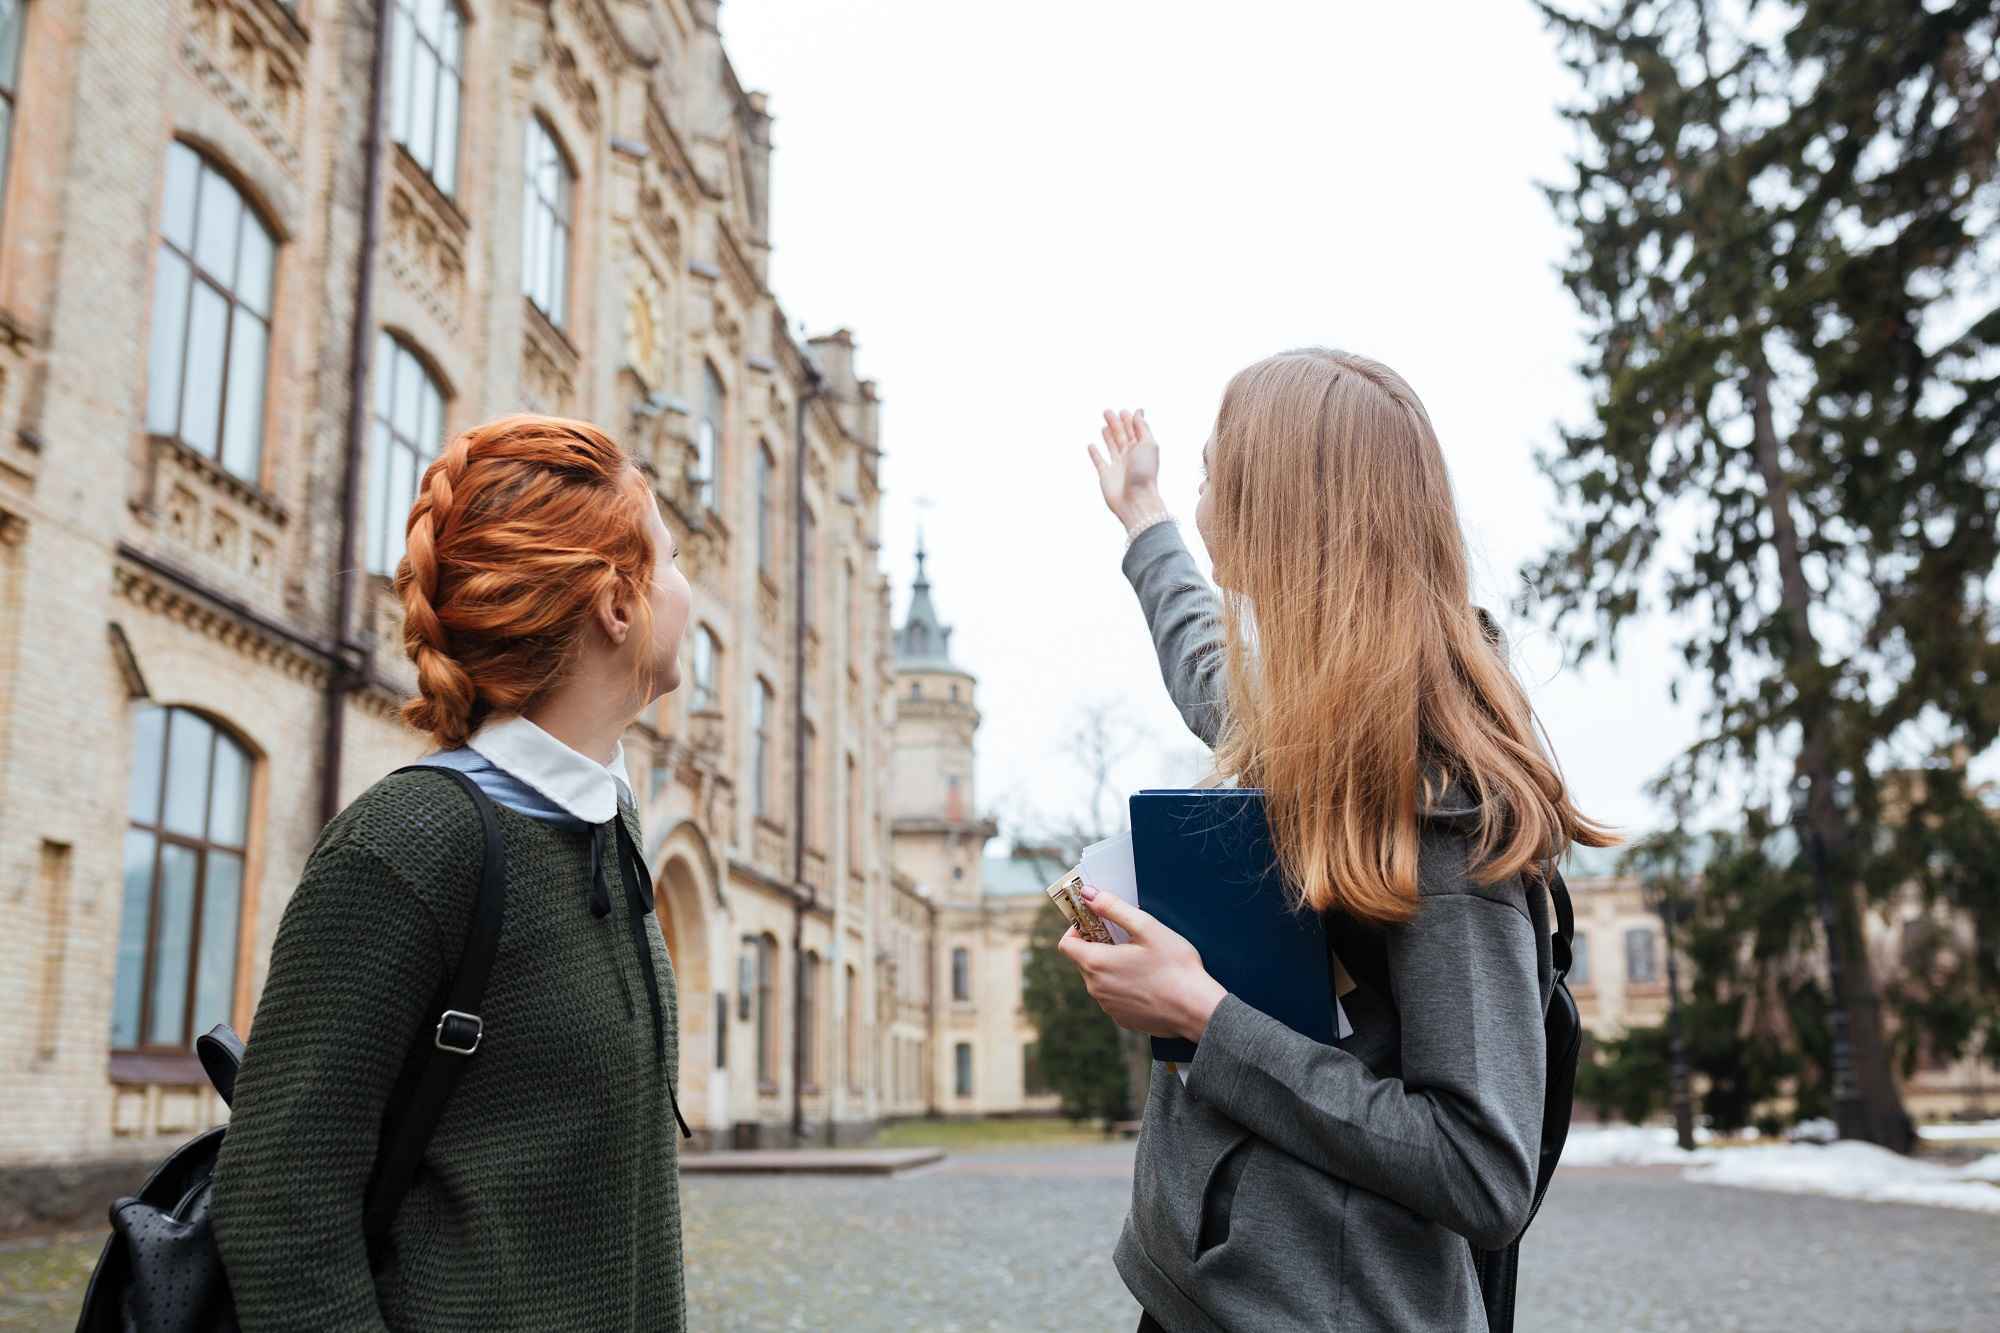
(1082, 1057)
(1783, 247)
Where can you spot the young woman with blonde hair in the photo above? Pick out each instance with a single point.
(543, 611)
(1342, 668)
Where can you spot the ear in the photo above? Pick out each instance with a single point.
(614, 615)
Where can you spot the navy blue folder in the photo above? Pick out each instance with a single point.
(1205, 867)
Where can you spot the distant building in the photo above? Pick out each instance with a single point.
(971, 1041)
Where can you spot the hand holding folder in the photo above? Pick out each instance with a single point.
(1204, 866)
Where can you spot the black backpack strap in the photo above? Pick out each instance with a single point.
(446, 1041)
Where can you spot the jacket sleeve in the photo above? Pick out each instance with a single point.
(354, 969)
(1457, 1137)
(1185, 618)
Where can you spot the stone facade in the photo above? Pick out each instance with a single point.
(148, 566)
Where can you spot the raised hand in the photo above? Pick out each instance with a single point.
(1128, 468)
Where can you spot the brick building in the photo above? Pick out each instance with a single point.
(231, 335)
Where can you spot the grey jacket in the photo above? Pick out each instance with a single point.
(1291, 1185)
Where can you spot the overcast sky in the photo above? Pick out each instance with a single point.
(1028, 213)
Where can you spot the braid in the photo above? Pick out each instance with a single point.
(446, 694)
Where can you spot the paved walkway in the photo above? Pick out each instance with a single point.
(1020, 1240)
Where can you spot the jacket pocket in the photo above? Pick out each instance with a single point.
(1181, 1146)
(1218, 1196)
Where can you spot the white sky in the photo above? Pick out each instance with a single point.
(1028, 213)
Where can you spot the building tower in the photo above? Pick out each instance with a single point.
(937, 832)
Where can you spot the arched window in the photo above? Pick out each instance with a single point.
(409, 432)
(548, 186)
(705, 653)
(708, 438)
(961, 974)
(429, 42)
(853, 1029)
(767, 546)
(767, 1011)
(211, 317)
(809, 1031)
(760, 750)
(11, 19)
(188, 813)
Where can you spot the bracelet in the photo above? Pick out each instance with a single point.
(1145, 525)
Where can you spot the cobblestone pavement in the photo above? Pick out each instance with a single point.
(1021, 1241)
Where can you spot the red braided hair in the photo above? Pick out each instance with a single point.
(519, 527)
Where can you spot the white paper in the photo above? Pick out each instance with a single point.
(1107, 866)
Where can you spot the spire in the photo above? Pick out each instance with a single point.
(922, 641)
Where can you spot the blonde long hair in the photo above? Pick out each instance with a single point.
(1362, 682)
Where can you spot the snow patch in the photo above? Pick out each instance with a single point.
(1851, 1170)
(1984, 1129)
(1628, 1145)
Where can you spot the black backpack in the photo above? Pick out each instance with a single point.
(1563, 1027)
(160, 1270)
(1361, 950)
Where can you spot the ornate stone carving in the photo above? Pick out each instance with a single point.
(580, 92)
(250, 59)
(426, 250)
(646, 323)
(224, 526)
(142, 588)
(548, 369)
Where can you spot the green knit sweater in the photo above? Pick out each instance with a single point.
(549, 1196)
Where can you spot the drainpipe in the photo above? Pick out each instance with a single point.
(802, 893)
(350, 657)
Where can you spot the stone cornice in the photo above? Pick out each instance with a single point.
(155, 586)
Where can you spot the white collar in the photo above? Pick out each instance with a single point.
(579, 784)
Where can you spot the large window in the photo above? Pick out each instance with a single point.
(409, 431)
(961, 974)
(810, 1029)
(548, 184)
(1579, 965)
(962, 1059)
(809, 537)
(704, 696)
(853, 1029)
(1641, 965)
(429, 40)
(11, 19)
(767, 1011)
(188, 813)
(760, 751)
(767, 542)
(211, 317)
(708, 438)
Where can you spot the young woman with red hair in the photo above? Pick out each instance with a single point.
(544, 612)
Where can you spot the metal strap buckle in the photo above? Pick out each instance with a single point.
(464, 1032)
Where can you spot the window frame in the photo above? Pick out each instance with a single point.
(767, 1003)
(1579, 953)
(393, 352)
(762, 702)
(405, 36)
(10, 100)
(961, 1057)
(711, 438)
(184, 265)
(706, 652)
(204, 848)
(561, 211)
(961, 974)
(1652, 956)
